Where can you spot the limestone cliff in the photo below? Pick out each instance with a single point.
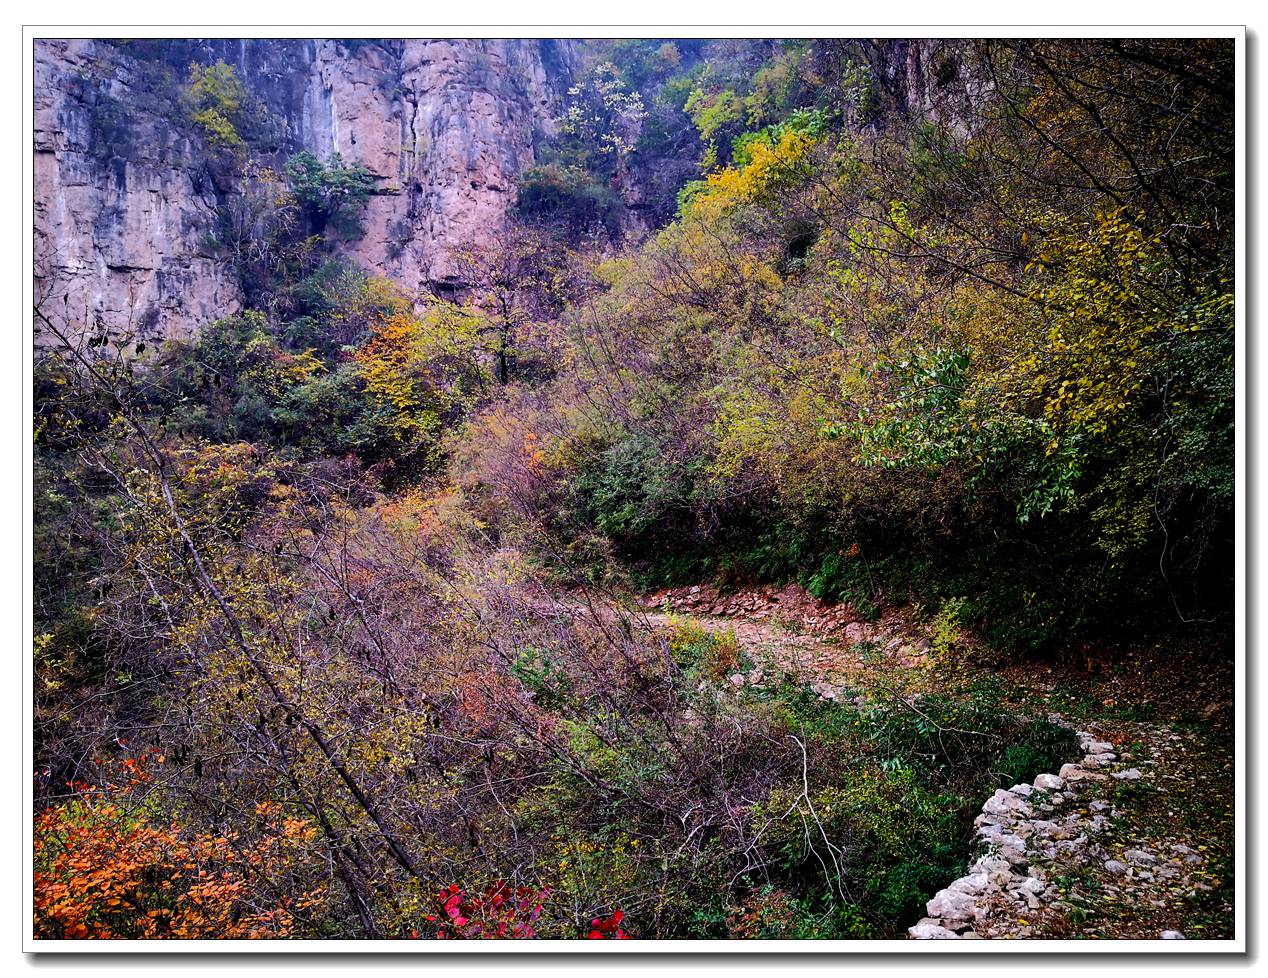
(127, 192)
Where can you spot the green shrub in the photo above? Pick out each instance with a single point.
(812, 122)
(890, 839)
(568, 196)
(842, 577)
(542, 676)
(714, 655)
(945, 628)
(633, 493)
(331, 193)
(1043, 747)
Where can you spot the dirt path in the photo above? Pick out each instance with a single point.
(1144, 847)
(789, 631)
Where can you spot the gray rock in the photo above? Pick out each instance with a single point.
(1172, 935)
(1115, 867)
(990, 864)
(1006, 803)
(1013, 849)
(1140, 856)
(929, 930)
(951, 906)
(974, 884)
(1000, 880)
(990, 833)
(1049, 782)
(1131, 774)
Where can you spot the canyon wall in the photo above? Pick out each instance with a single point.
(127, 192)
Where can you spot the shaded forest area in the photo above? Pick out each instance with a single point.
(339, 603)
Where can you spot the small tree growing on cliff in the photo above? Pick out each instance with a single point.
(602, 121)
(215, 98)
(331, 194)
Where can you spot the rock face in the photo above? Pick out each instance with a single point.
(448, 124)
(127, 191)
(123, 200)
(926, 78)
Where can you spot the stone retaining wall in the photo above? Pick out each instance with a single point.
(1038, 818)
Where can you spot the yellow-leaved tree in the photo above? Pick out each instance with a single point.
(426, 370)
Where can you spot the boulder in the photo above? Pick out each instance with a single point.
(931, 930)
(974, 884)
(1006, 803)
(952, 905)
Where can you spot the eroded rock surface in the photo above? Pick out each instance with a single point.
(127, 191)
(124, 200)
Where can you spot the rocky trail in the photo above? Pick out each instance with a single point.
(1133, 840)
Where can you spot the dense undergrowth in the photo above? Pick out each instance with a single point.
(968, 349)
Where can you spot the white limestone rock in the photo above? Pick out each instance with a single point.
(952, 905)
(931, 930)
